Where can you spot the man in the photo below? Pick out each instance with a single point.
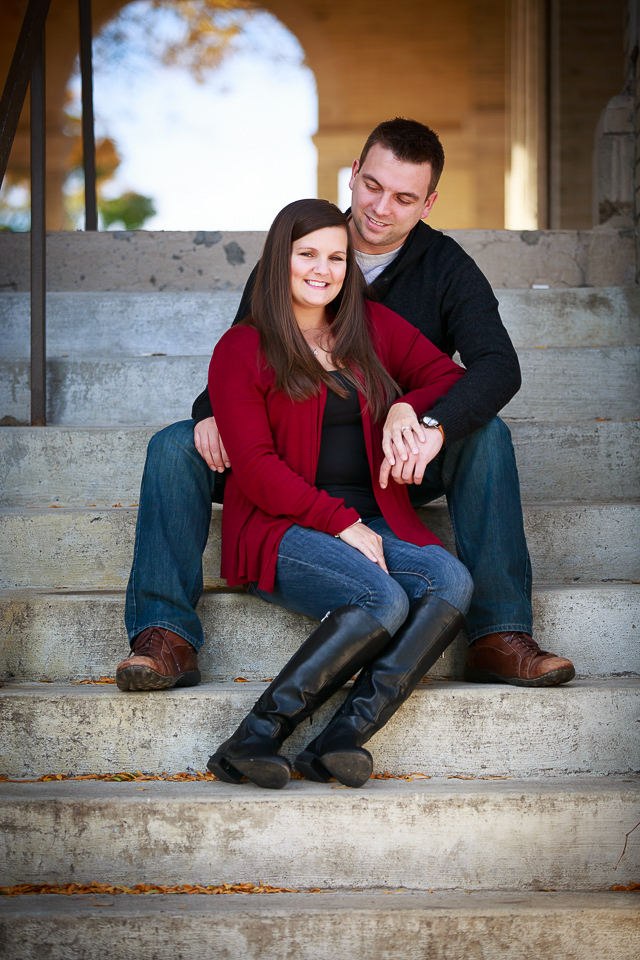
(428, 279)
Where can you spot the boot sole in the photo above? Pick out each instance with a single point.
(552, 679)
(271, 774)
(223, 770)
(351, 767)
(310, 767)
(144, 678)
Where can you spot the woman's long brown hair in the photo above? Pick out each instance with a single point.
(297, 371)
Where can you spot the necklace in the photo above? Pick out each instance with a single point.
(316, 339)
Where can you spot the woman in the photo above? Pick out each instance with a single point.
(302, 389)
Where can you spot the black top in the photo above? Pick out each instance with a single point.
(343, 467)
(438, 288)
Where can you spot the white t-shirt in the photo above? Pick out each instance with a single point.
(372, 264)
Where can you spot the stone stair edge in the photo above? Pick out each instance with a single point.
(584, 729)
(369, 925)
(312, 835)
(569, 542)
(75, 635)
(213, 689)
(558, 382)
(148, 260)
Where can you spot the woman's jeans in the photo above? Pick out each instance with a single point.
(477, 474)
(317, 573)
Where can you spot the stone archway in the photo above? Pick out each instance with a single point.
(444, 64)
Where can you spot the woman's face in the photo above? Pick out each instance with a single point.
(318, 267)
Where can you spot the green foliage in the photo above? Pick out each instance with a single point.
(131, 209)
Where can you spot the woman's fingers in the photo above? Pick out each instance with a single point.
(402, 430)
(367, 542)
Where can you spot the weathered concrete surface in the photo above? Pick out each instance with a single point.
(366, 926)
(111, 392)
(187, 323)
(143, 260)
(74, 636)
(78, 549)
(103, 465)
(558, 384)
(584, 317)
(123, 323)
(444, 729)
(477, 835)
(146, 261)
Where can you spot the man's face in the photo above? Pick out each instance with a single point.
(389, 196)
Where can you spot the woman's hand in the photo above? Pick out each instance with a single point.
(358, 535)
(209, 444)
(407, 445)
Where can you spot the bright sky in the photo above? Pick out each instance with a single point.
(224, 155)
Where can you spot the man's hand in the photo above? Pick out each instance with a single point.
(209, 445)
(408, 446)
(366, 541)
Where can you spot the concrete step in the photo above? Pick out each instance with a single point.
(183, 324)
(61, 636)
(558, 384)
(450, 728)
(367, 926)
(103, 465)
(476, 835)
(146, 261)
(85, 549)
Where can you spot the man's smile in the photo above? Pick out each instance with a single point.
(376, 223)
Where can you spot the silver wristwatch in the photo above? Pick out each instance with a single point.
(429, 421)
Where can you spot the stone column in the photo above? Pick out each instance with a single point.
(526, 175)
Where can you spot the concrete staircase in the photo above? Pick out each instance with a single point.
(507, 809)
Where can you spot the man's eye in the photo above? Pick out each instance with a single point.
(405, 203)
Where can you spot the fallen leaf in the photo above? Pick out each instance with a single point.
(240, 680)
(72, 889)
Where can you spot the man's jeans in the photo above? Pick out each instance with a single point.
(478, 475)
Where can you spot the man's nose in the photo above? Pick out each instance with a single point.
(382, 205)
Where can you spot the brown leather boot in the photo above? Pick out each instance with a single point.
(159, 659)
(517, 659)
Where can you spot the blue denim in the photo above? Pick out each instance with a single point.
(480, 479)
(317, 573)
(174, 516)
(478, 475)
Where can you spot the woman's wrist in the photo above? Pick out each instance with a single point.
(359, 520)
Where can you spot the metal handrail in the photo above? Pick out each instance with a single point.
(28, 67)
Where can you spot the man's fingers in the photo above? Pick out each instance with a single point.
(385, 470)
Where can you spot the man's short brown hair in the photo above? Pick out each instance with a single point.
(409, 141)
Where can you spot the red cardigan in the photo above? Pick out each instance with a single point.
(273, 444)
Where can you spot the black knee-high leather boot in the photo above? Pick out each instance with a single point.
(383, 686)
(338, 647)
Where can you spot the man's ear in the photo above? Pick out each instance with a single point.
(355, 166)
(426, 210)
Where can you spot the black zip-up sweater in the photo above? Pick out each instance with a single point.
(438, 288)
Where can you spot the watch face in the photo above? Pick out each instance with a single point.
(430, 422)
